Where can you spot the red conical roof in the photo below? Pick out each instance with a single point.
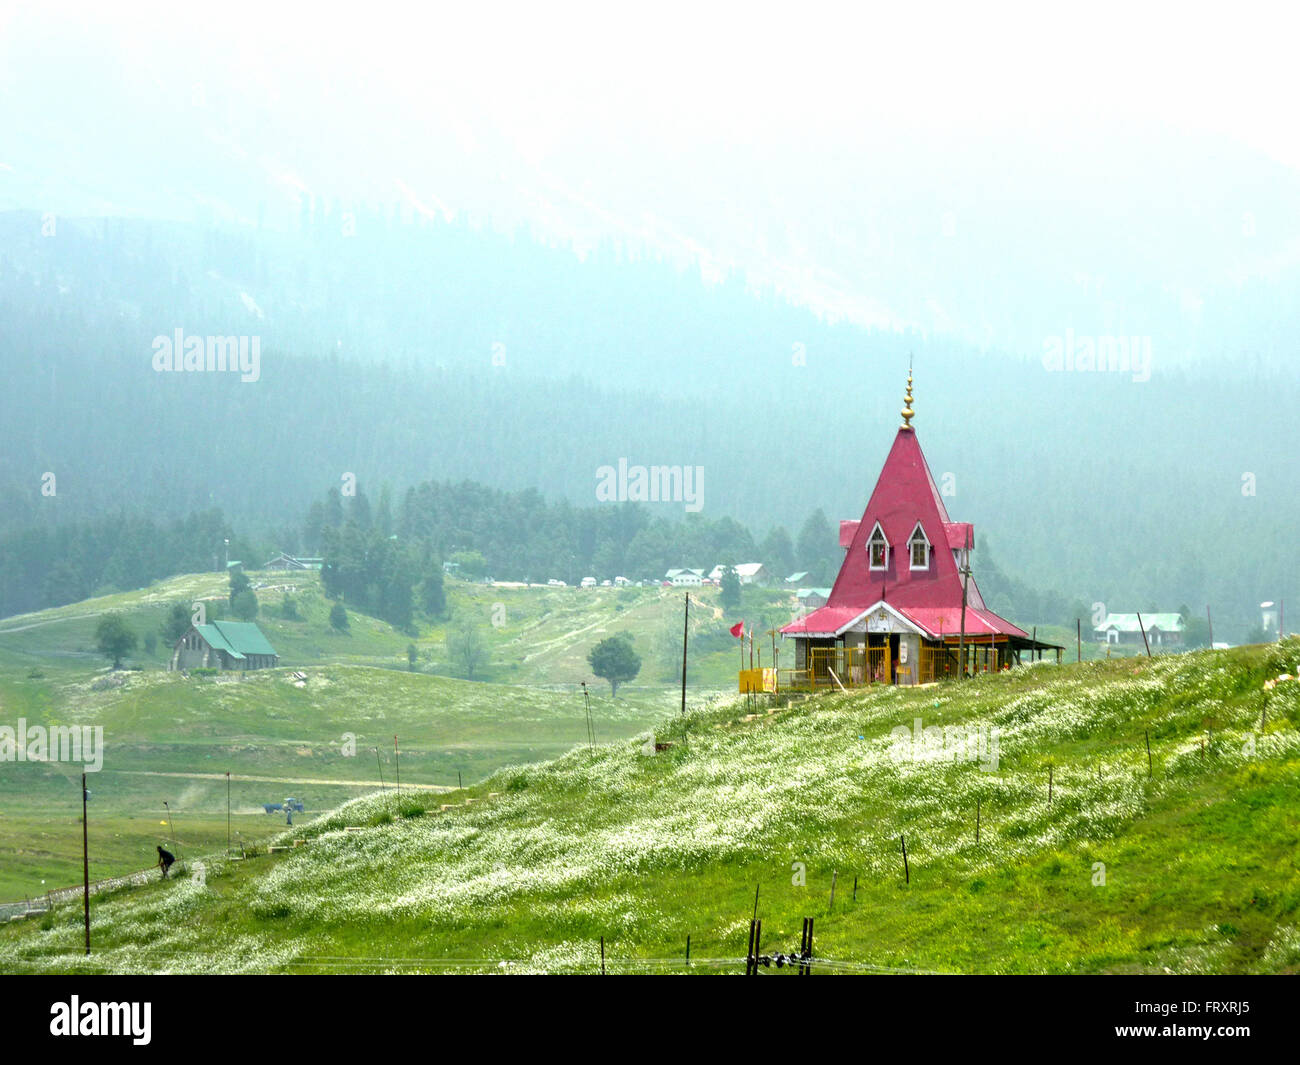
(905, 495)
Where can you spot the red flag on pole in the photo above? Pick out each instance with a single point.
(738, 629)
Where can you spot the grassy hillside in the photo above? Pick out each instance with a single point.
(534, 635)
(170, 739)
(1191, 866)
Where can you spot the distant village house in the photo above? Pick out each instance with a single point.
(289, 562)
(224, 645)
(1124, 630)
(748, 572)
(685, 578)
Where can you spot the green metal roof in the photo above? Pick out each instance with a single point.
(216, 640)
(236, 638)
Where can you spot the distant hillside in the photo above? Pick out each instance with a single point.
(536, 636)
(169, 739)
(1183, 866)
(473, 356)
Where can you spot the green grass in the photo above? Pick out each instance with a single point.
(538, 636)
(167, 736)
(1202, 857)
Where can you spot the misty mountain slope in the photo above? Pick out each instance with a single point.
(379, 363)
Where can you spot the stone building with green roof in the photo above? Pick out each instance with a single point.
(224, 645)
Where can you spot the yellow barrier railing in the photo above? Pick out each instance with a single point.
(858, 667)
(853, 667)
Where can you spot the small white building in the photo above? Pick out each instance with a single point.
(1162, 630)
(685, 578)
(748, 572)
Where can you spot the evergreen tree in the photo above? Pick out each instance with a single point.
(244, 606)
(778, 552)
(333, 509)
(730, 585)
(239, 583)
(176, 624)
(817, 548)
(433, 597)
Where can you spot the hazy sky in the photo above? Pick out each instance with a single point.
(552, 77)
(781, 141)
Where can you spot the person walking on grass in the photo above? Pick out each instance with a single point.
(165, 861)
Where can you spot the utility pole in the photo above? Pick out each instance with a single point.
(686, 618)
(591, 733)
(965, 584)
(85, 859)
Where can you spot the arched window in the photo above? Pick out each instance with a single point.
(919, 547)
(878, 548)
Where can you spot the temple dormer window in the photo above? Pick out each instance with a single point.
(919, 546)
(878, 548)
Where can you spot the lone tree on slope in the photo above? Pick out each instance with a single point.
(615, 661)
(115, 638)
(465, 645)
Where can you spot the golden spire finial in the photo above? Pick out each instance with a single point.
(907, 403)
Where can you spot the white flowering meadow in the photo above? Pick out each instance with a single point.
(647, 849)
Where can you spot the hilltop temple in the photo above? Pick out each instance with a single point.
(905, 608)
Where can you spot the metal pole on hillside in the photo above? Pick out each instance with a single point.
(686, 617)
(85, 859)
(227, 812)
(586, 702)
(1210, 621)
(397, 759)
(381, 768)
(171, 831)
(1144, 634)
(965, 584)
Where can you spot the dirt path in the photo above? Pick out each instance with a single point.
(49, 621)
(277, 780)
